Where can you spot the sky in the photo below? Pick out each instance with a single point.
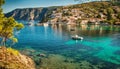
(13, 4)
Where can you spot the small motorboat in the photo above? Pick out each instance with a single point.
(76, 37)
(45, 24)
(30, 24)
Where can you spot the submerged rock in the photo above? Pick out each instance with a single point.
(41, 55)
(117, 52)
(12, 59)
(54, 61)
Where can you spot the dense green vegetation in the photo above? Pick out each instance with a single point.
(110, 9)
(7, 27)
(107, 11)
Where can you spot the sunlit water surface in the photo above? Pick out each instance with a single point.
(100, 43)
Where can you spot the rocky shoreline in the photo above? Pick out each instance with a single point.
(12, 59)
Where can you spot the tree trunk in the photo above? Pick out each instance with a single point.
(3, 42)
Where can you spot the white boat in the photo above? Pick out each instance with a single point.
(45, 24)
(76, 37)
(30, 24)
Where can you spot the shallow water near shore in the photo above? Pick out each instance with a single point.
(101, 44)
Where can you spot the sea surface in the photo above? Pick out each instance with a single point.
(100, 48)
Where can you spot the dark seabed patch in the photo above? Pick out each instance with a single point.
(117, 52)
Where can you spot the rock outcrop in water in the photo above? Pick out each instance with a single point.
(12, 59)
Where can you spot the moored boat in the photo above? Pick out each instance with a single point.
(76, 37)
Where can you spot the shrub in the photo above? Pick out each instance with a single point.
(12, 51)
(118, 15)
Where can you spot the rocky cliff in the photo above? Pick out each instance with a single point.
(31, 13)
(12, 59)
(27, 13)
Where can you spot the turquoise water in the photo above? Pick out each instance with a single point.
(101, 44)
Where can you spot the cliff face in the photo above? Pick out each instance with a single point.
(31, 13)
(12, 59)
(28, 13)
